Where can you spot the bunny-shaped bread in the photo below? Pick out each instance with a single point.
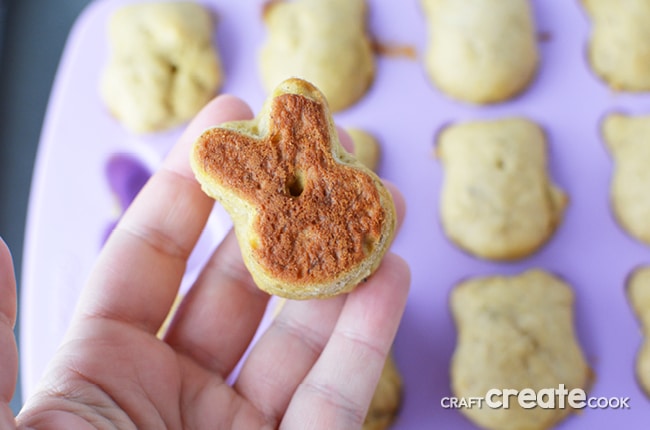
(626, 137)
(516, 332)
(481, 51)
(311, 221)
(322, 41)
(163, 65)
(638, 292)
(619, 46)
(498, 201)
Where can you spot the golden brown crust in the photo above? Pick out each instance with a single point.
(305, 211)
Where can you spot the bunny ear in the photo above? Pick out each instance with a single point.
(299, 87)
(299, 125)
(250, 161)
(224, 158)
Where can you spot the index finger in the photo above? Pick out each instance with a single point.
(137, 275)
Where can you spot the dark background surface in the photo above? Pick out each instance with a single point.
(32, 36)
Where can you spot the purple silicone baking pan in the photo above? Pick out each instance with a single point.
(72, 203)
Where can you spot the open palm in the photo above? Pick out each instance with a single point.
(315, 367)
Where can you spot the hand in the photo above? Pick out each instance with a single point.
(315, 367)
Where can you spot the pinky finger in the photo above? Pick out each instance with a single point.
(337, 391)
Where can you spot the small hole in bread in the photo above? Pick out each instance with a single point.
(296, 184)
